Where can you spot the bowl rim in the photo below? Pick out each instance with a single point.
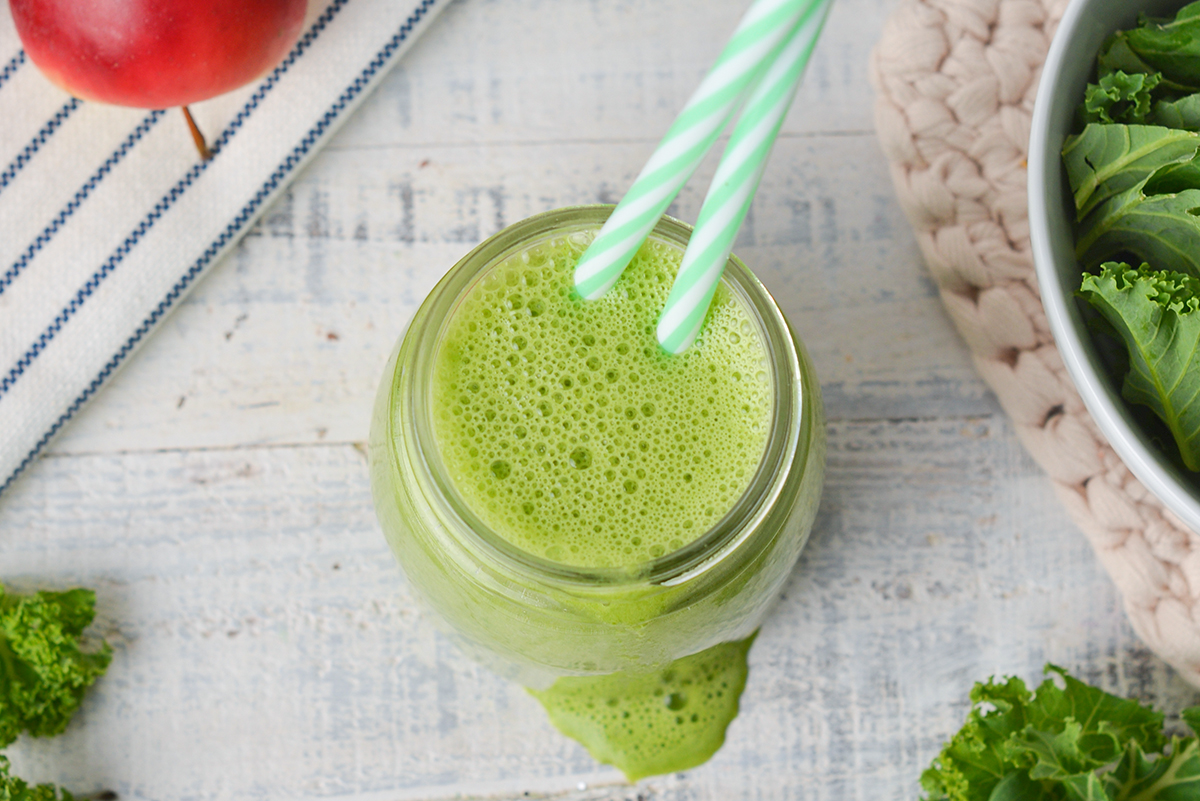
(1144, 459)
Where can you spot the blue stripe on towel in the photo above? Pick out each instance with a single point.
(81, 195)
(243, 217)
(11, 67)
(35, 144)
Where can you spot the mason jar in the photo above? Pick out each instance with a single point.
(534, 619)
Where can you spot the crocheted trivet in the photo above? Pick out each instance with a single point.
(955, 83)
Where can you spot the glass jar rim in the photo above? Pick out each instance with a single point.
(779, 458)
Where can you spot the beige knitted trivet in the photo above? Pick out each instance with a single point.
(955, 83)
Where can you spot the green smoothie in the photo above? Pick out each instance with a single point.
(601, 521)
(571, 434)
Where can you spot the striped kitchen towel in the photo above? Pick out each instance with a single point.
(108, 217)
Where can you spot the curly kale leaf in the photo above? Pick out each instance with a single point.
(1100, 724)
(1174, 775)
(1120, 97)
(976, 761)
(14, 789)
(43, 671)
(1157, 315)
(1171, 47)
(1076, 743)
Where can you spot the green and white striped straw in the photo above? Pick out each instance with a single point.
(764, 27)
(733, 185)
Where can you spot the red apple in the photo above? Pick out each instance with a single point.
(156, 53)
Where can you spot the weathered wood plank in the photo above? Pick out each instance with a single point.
(266, 645)
(285, 342)
(543, 71)
(503, 110)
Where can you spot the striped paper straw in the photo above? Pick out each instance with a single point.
(761, 31)
(733, 186)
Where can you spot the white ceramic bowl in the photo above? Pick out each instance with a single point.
(1069, 65)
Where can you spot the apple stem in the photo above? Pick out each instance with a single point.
(197, 137)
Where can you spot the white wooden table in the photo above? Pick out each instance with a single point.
(215, 494)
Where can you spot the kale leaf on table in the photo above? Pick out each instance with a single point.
(43, 671)
(14, 789)
(1069, 742)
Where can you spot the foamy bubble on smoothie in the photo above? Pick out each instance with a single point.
(571, 434)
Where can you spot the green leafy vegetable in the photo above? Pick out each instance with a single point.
(1157, 315)
(1118, 56)
(1106, 160)
(43, 672)
(1182, 113)
(1134, 172)
(1120, 97)
(1059, 743)
(1160, 229)
(1172, 179)
(1171, 47)
(13, 789)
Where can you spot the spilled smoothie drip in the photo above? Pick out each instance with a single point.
(650, 723)
(571, 434)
